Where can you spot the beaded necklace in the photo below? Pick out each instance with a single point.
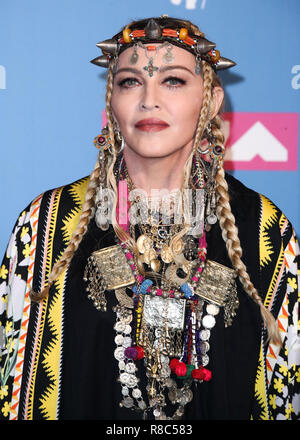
(179, 349)
(165, 326)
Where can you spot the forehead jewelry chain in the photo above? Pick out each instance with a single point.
(150, 68)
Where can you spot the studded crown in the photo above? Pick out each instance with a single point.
(159, 30)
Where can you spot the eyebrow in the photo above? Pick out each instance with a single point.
(160, 70)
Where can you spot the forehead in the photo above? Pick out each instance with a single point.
(160, 53)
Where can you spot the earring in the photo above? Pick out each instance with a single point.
(216, 155)
(216, 152)
(208, 136)
(103, 141)
(120, 139)
(103, 208)
(198, 67)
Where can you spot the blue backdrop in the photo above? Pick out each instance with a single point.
(51, 97)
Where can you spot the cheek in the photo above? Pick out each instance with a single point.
(115, 106)
(187, 113)
(122, 109)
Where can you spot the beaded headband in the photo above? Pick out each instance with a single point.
(161, 30)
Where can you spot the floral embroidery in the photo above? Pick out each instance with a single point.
(26, 250)
(3, 392)
(278, 385)
(293, 283)
(272, 399)
(297, 375)
(288, 411)
(3, 272)
(24, 231)
(283, 369)
(6, 409)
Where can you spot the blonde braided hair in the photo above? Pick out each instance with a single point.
(202, 123)
(87, 213)
(232, 241)
(225, 215)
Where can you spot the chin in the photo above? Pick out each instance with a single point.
(148, 151)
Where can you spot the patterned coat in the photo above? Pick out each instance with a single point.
(31, 335)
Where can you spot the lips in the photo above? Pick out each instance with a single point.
(151, 124)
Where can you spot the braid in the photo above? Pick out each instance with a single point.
(88, 209)
(202, 122)
(230, 236)
(226, 217)
(111, 179)
(205, 109)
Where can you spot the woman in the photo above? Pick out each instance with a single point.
(149, 289)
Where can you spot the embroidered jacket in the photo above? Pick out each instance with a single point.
(31, 336)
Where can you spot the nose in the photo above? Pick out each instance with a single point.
(150, 98)
(146, 107)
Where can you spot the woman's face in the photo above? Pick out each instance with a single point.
(157, 115)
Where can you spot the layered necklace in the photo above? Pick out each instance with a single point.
(169, 296)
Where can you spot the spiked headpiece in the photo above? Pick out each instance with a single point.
(160, 30)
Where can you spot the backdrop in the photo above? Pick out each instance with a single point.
(52, 98)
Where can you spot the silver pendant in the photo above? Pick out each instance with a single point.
(159, 313)
(168, 56)
(211, 219)
(134, 57)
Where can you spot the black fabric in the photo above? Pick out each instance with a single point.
(90, 390)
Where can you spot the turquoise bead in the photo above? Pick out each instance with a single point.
(145, 285)
(187, 291)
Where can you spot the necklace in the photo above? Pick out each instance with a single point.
(169, 324)
(164, 317)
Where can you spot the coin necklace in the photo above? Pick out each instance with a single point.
(151, 338)
(167, 329)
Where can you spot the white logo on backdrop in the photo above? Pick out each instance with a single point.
(296, 79)
(190, 4)
(257, 141)
(2, 77)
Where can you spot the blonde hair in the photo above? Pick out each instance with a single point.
(224, 213)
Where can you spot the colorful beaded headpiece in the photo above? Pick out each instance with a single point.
(160, 30)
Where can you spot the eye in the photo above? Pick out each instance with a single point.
(128, 83)
(174, 82)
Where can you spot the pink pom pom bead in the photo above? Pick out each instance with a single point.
(140, 278)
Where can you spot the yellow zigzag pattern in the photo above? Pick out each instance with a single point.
(260, 387)
(52, 227)
(78, 190)
(282, 221)
(268, 218)
(52, 354)
(70, 222)
(277, 269)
